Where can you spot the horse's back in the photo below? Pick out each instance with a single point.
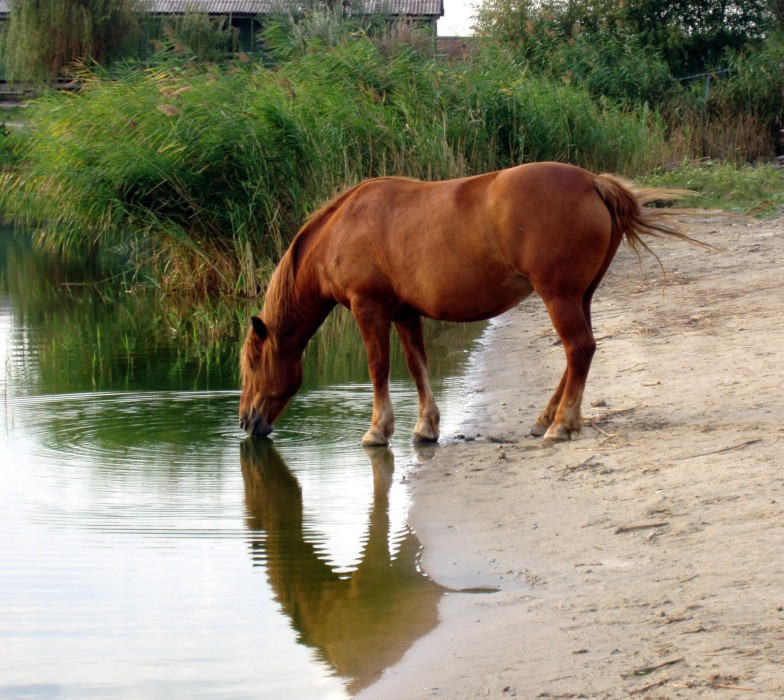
(460, 249)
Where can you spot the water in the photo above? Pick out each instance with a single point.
(149, 549)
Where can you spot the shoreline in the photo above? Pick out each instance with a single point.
(642, 558)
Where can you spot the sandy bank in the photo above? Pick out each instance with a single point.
(646, 558)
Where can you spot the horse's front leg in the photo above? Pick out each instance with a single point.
(374, 326)
(413, 342)
(572, 323)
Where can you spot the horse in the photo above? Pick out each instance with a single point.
(394, 250)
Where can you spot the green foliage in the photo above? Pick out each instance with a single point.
(689, 35)
(92, 327)
(737, 116)
(318, 25)
(581, 44)
(42, 37)
(614, 66)
(645, 52)
(8, 159)
(515, 116)
(205, 174)
(694, 35)
(289, 35)
(757, 190)
(194, 34)
(756, 84)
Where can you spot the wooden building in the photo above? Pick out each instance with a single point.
(246, 16)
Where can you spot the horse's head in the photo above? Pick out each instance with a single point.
(270, 377)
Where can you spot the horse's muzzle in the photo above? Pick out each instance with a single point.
(254, 424)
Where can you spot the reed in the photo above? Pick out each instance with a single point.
(203, 174)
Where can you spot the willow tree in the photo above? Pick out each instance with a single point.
(42, 37)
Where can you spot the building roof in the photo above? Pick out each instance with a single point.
(418, 8)
(213, 7)
(409, 8)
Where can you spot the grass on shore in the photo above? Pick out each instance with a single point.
(755, 190)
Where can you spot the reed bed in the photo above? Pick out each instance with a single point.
(201, 175)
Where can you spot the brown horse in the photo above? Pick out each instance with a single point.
(393, 250)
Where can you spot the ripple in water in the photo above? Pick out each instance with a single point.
(146, 552)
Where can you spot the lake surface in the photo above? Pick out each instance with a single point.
(149, 549)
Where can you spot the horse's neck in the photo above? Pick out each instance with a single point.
(298, 314)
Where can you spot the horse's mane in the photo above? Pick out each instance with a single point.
(279, 297)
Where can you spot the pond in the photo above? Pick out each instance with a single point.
(149, 548)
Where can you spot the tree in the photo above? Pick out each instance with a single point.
(44, 36)
(694, 35)
(690, 35)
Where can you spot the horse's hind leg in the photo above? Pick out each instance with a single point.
(571, 319)
(546, 417)
(374, 326)
(412, 340)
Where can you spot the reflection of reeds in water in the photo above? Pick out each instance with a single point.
(92, 326)
(361, 623)
(89, 332)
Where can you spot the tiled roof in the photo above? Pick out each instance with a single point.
(213, 7)
(406, 7)
(415, 8)
(223, 7)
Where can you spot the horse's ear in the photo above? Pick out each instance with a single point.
(258, 327)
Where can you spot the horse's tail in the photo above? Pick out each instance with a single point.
(632, 219)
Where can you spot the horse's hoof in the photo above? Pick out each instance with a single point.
(559, 433)
(374, 438)
(538, 430)
(425, 431)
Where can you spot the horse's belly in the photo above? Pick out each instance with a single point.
(462, 303)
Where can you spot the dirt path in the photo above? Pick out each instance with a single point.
(646, 558)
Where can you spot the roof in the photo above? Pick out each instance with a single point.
(213, 7)
(417, 8)
(411, 8)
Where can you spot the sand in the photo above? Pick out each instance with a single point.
(644, 559)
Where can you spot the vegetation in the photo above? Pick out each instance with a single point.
(7, 159)
(749, 189)
(216, 168)
(200, 173)
(193, 33)
(689, 36)
(94, 326)
(43, 37)
(713, 71)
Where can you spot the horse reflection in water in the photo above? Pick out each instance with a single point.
(360, 624)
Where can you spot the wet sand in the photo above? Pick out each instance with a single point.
(644, 559)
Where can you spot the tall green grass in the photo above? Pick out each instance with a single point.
(203, 174)
(7, 158)
(756, 190)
